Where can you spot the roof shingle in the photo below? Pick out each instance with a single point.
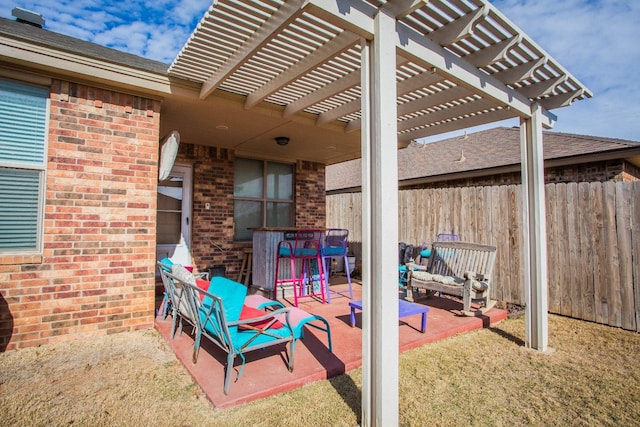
(484, 150)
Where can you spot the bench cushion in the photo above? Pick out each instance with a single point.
(428, 277)
(477, 285)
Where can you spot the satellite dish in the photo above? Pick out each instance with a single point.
(168, 152)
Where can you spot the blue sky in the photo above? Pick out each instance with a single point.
(595, 40)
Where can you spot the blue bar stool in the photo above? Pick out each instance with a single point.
(336, 245)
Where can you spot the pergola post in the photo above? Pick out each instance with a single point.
(535, 232)
(380, 336)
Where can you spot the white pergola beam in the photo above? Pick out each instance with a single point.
(460, 28)
(352, 15)
(425, 51)
(357, 16)
(341, 111)
(457, 124)
(281, 19)
(561, 100)
(402, 8)
(338, 44)
(455, 111)
(493, 53)
(350, 80)
(542, 88)
(519, 72)
(437, 99)
(419, 81)
(409, 85)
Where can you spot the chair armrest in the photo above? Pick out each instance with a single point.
(470, 275)
(474, 276)
(412, 266)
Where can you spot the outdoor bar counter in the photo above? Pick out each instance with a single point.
(265, 251)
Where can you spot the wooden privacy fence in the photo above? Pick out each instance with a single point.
(593, 240)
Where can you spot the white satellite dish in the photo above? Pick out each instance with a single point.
(168, 153)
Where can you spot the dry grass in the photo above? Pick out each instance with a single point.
(480, 378)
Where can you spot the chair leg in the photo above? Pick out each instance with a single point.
(322, 277)
(346, 263)
(295, 280)
(275, 281)
(466, 297)
(179, 324)
(227, 372)
(326, 278)
(292, 352)
(173, 324)
(196, 347)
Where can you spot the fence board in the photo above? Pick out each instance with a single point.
(495, 219)
(635, 242)
(623, 223)
(562, 263)
(554, 293)
(599, 255)
(573, 245)
(585, 234)
(515, 243)
(611, 247)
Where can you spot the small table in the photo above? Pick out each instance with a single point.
(405, 308)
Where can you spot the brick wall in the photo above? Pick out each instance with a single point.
(310, 195)
(212, 241)
(96, 274)
(611, 170)
(630, 172)
(212, 230)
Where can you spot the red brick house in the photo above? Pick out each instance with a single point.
(90, 165)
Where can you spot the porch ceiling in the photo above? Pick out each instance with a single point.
(292, 68)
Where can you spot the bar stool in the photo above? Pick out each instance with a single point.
(336, 243)
(306, 248)
(244, 275)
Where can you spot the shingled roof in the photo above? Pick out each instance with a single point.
(484, 153)
(50, 39)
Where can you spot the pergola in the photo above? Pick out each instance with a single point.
(390, 72)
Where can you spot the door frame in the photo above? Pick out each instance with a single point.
(181, 251)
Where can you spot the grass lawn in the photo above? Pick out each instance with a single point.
(483, 378)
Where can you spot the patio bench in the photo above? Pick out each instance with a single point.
(456, 268)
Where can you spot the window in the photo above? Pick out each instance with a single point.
(263, 196)
(23, 130)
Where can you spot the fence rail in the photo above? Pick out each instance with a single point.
(593, 240)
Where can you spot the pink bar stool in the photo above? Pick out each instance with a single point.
(306, 251)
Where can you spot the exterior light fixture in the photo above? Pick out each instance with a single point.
(282, 140)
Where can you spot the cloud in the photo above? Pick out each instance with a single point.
(154, 29)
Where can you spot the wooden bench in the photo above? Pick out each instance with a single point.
(456, 268)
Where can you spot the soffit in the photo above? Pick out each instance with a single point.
(460, 63)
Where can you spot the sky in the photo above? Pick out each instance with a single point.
(595, 40)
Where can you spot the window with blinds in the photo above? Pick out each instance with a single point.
(23, 130)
